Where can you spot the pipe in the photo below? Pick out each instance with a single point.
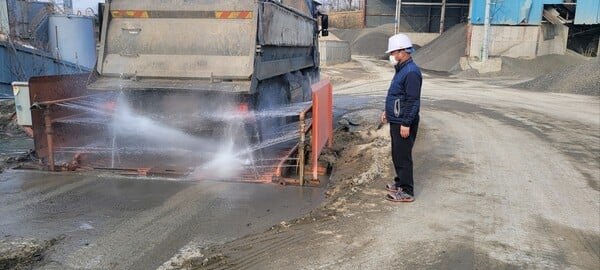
(469, 31)
(301, 147)
(49, 138)
(486, 31)
(39, 105)
(301, 144)
(278, 172)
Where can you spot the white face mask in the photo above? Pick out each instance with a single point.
(393, 60)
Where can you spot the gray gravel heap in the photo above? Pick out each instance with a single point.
(370, 41)
(540, 65)
(583, 79)
(444, 52)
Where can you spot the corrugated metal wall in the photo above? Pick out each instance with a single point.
(380, 12)
(419, 18)
(511, 12)
(529, 12)
(587, 12)
(25, 54)
(27, 63)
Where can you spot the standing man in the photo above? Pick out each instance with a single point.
(402, 106)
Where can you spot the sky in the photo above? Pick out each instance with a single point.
(82, 5)
(79, 5)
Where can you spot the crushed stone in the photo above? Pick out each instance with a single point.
(370, 41)
(582, 78)
(444, 52)
(540, 65)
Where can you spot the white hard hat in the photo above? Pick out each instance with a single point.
(398, 42)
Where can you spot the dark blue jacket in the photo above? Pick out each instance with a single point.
(403, 99)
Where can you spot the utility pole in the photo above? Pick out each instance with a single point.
(486, 32)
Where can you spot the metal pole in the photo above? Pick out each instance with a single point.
(397, 19)
(365, 14)
(49, 138)
(301, 157)
(486, 31)
(429, 18)
(442, 16)
(469, 31)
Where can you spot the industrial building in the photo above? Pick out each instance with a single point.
(39, 38)
(516, 28)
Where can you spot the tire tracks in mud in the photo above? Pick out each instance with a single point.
(320, 226)
(252, 251)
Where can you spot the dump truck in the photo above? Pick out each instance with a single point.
(194, 66)
(255, 54)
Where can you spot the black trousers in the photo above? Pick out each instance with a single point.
(402, 156)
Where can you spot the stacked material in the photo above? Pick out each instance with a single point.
(539, 65)
(583, 78)
(369, 41)
(444, 52)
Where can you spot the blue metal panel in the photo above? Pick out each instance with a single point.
(511, 12)
(28, 63)
(587, 12)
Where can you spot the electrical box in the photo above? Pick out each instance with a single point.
(22, 103)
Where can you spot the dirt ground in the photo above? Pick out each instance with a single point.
(11, 136)
(505, 179)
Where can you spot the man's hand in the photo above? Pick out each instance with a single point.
(383, 118)
(404, 131)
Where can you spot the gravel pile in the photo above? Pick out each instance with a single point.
(583, 78)
(369, 41)
(444, 52)
(540, 65)
(372, 43)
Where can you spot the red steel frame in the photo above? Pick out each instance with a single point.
(46, 91)
(322, 131)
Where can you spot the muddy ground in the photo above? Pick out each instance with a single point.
(16, 145)
(505, 179)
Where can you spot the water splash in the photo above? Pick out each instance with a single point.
(226, 164)
(220, 155)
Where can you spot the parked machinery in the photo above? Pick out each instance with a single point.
(207, 69)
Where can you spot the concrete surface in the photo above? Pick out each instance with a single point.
(552, 39)
(109, 222)
(491, 65)
(519, 41)
(505, 179)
